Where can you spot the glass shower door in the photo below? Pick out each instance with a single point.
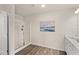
(3, 33)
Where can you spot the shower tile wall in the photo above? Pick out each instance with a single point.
(19, 34)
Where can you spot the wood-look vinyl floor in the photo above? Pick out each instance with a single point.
(38, 50)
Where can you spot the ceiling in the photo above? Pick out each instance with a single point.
(30, 9)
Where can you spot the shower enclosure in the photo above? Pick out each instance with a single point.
(19, 34)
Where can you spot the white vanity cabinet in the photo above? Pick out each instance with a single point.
(71, 46)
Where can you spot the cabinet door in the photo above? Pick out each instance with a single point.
(3, 33)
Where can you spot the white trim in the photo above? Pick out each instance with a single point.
(22, 48)
(48, 46)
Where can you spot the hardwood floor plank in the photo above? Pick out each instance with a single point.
(38, 50)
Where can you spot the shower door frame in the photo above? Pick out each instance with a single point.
(7, 35)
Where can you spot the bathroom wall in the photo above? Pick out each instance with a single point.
(55, 39)
(71, 25)
(27, 30)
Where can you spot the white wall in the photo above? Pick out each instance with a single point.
(71, 25)
(55, 39)
(27, 30)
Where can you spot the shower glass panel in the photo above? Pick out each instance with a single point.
(3, 33)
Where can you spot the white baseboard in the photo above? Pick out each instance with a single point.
(48, 46)
(22, 48)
